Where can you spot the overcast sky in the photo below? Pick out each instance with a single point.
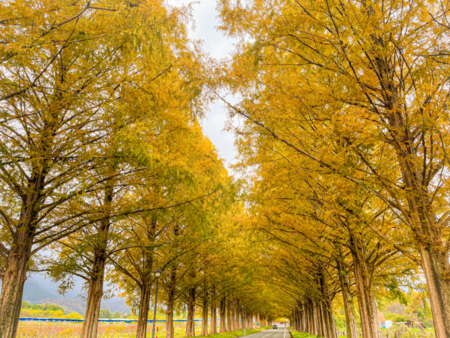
(219, 47)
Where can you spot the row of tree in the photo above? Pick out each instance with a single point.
(103, 162)
(344, 126)
(105, 174)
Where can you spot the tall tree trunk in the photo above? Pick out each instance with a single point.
(229, 326)
(301, 319)
(169, 317)
(18, 257)
(222, 310)
(294, 323)
(17, 262)
(170, 333)
(213, 328)
(205, 313)
(320, 320)
(190, 324)
(327, 318)
(368, 311)
(305, 317)
(147, 279)
(422, 213)
(94, 300)
(144, 306)
(349, 306)
(436, 269)
(234, 322)
(12, 289)
(314, 317)
(434, 257)
(95, 293)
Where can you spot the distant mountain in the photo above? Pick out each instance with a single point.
(68, 304)
(79, 305)
(115, 304)
(47, 283)
(39, 289)
(34, 291)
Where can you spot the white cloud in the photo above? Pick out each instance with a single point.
(219, 47)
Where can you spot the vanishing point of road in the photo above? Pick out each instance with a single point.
(282, 332)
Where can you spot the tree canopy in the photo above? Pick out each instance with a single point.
(336, 210)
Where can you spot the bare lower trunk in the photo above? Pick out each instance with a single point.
(294, 319)
(308, 327)
(170, 304)
(190, 324)
(17, 261)
(205, 314)
(320, 320)
(222, 315)
(169, 320)
(229, 326)
(314, 318)
(366, 299)
(438, 289)
(97, 277)
(349, 307)
(234, 325)
(213, 328)
(94, 300)
(144, 305)
(12, 291)
(327, 317)
(242, 319)
(147, 281)
(330, 324)
(301, 325)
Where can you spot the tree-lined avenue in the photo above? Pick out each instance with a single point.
(339, 205)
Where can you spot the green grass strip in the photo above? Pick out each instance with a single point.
(234, 334)
(297, 334)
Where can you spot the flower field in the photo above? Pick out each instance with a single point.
(72, 330)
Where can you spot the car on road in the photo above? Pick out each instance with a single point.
(275, 327)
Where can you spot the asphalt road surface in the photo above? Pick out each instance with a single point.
(281, 332)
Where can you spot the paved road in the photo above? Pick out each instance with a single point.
(281, 332)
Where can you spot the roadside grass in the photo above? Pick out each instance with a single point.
(297, 334)
(234, 334)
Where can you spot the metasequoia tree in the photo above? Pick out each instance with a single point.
(140, 155)
(334, 218)
(333, 80)
(192, 187)
(66, 72)
(62, 73)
